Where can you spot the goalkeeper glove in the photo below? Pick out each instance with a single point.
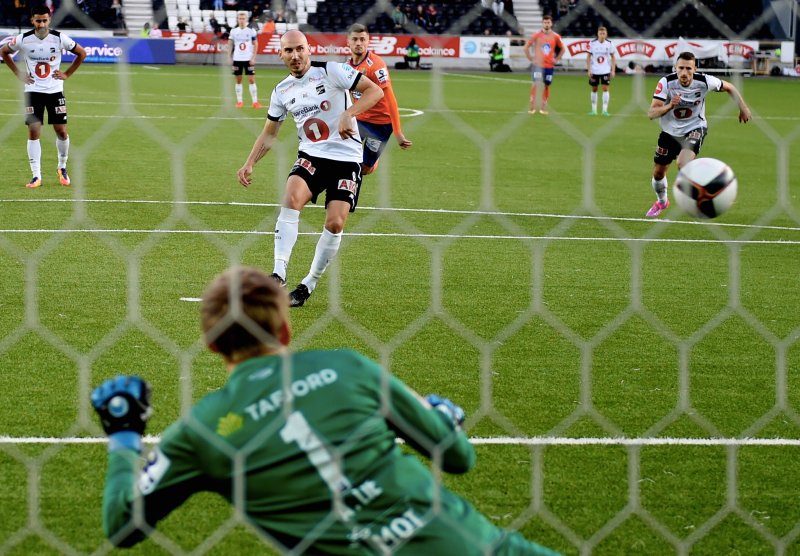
(123, 405)
(448, 408)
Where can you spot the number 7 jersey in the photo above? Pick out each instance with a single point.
(691, 112)
(316, 101)
(43, 58)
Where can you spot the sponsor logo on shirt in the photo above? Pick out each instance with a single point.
(229, 424)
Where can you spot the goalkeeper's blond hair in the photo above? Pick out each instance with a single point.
(245, 313)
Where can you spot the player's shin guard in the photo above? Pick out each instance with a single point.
(254, 93)
(545, 96)
(593, 97)
(285, 237)
(606, 97)
(35, 157)
(533, 96)
(238, 88)
(327, 247)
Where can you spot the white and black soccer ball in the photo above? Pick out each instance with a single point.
(705, 188)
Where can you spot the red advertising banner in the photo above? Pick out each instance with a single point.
(323, 44)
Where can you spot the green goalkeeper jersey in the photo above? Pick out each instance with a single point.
(305, 445)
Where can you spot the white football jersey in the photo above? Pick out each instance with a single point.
(691, 112)
(601, 56)
(243, 41)
(43, 58)
(316, 101)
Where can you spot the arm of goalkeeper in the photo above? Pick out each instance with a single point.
(123, 405)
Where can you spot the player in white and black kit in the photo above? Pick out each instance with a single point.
(242, 50)
(679, 103)
(317, 94)
(44, 87)
(601, 64)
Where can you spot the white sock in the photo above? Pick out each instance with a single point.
(35, 157)
(327, 247)
(285, 238)
(239, 90)
(254, 93)
(606, 96)
(63, 151)
(660, 187)
(594, 101)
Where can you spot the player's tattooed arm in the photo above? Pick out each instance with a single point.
(261, 147)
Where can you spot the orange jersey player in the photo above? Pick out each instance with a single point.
(547, 51)
(376, 124)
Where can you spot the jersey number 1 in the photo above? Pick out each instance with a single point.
(42, 70)
(316, 130)
(298, 430)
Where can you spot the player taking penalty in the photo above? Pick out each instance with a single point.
(44, 87)
(303, 444)
(679, 104)
(329, 157)
(376, 124)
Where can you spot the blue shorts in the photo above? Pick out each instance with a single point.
(536, 74)
(375, 137)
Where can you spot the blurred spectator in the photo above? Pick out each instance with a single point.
(119, 17)
(145, 32)
(432, 15)
(498, 7)
(412, 55)
(50, 6)
(214, 26)
(269, 26)
(279, 17)
(155, 32)
(399, 19)
(633, 68)
(562, 9)
(181, 25)
(291, 11)
(421, 17)
(218, 5)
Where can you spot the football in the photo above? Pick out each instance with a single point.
(705, 188)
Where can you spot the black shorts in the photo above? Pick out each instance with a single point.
(36, 103)
(243, 67)
(595, 80)
(341, 181)
(669, 146)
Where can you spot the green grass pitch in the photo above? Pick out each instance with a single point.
(503, 261)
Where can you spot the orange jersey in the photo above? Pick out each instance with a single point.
(385, 111)
(544, 48)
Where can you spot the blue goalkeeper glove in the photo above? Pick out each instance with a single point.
(123, 404)
(451, 410)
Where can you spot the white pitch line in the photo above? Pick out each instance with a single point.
(422, 211)
(191, 299)
(419, 236)
(496, 440)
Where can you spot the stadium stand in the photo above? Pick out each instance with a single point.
(575, 18)
(337, 15)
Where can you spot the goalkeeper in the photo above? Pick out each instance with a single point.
(303, 443)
